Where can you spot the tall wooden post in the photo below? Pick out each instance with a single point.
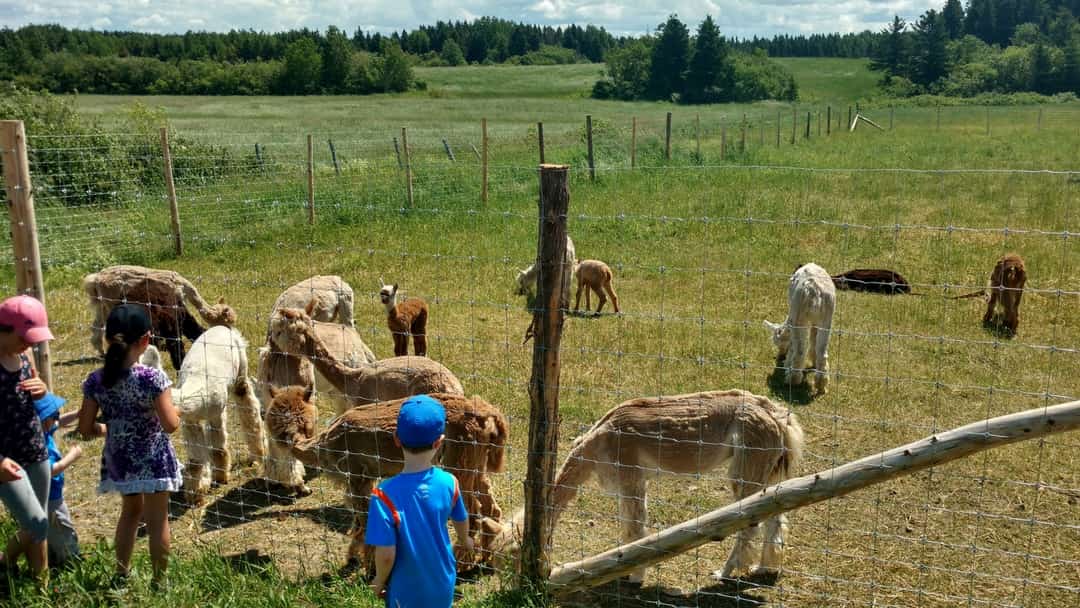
(819, 123)
(408, 166)
(1038, 122)
(397, 151)
(778, 115)
(588, 137)
(938, 126)
(807, 136)
(540, 139)
(892, 115)
(310, 181)
(794, 124)
(258, 156)
(828, 120)
(445, 145)
(742, 136)
(988, 121)
(667, 138)
(24, 236)
(633, 142)
(483, 161)
(333, 156)
(551, 302)
(848, 118)
(723, 141)
(697, 136)
(170, 191)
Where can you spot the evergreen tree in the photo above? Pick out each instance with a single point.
(953, 14)
(893, 53)
(336, 60)
(932, 38)
(1070, 78)
(451, 53)
(303, 67)
(711, 74)
(1042, 78)
(670, 57)
(396, 74)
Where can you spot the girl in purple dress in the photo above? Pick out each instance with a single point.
(138, 460)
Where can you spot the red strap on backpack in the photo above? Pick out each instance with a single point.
(457, 493)
(380, 495)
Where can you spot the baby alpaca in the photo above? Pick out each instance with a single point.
(811, 301)
(1006, 288)
(526, 279)
(760, 441)
(290, 419)
(409, 318)
(594, 276)
(214, 372)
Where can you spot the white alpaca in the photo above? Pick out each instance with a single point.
(526, 279)
(151, 357)
(811, 301)
(215, 371)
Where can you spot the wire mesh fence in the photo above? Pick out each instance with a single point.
(701, 248)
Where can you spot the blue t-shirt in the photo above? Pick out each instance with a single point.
(56, 487)
(424, 568)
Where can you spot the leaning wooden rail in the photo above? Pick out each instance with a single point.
(810, 489)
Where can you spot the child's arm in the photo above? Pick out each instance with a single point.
(88, 424)
(61, 465)
(464, 541)
(384, 563)
(166, 412)
(69, 418)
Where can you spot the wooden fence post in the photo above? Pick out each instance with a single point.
(24, 235)
(807, 136)
(551, 302)
(819, 123)
(723, 140)
(778, 128)
(588, 137)
(449, 152)
(848, 118)
(170, 191)
(742, 135)
(814, 488)
(408, 166)
(633, 142)
(794, 124)
(938, 118)
(988, 121)
(483, 161)
(258, 156)
(697, 137)
(1038, 122)
(310, 181)
(828, 120)
(667, 138)
(397, 151)
(540, 139)
(761, 132)
(892, 113)
(333, 157)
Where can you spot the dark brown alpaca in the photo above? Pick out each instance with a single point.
(1006, 287)
(873, 280)
(409, 318)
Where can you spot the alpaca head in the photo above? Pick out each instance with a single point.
(388, 294)
(151, 357)
(221, 314)
(522, 283)
(781, 337)
(290, 330)
(499, 543)
(291, 416)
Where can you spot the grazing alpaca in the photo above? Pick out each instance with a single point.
(215, 372)
(1006, 287)
(164, 294)
(357, 448)
(290, 418)
(811, 301)
(683, 434)
(594, 275)
(333, 299)
(526, 279)
(408, 318)
(364, 383)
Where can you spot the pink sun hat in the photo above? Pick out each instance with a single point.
(27, 317)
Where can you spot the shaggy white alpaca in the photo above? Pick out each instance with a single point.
(526, 279)
(811, 301)
(151, 357)
(215, 371)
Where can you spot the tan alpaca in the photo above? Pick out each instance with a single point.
(594, 276)
(366, 383)
(333, 298)
(164, 293)
(357, 448)
(408, 318)
(760, 441)
(290, 418)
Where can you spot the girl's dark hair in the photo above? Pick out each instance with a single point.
(114, 361)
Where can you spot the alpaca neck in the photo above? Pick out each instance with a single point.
(391, 304)
(307, 451)
(339, 374)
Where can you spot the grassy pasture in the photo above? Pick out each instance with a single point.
(701, 247)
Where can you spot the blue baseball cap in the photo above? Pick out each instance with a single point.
(49, 406)
(421, 420)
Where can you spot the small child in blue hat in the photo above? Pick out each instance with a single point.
(407, 515)
(63, 541)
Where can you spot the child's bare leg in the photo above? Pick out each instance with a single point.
(157, 523)
(130, 514)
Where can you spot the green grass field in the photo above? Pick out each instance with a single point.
(702, 247)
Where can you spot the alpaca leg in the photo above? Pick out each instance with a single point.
(603, 299)
(345, 308)
(821, 356)
(988, 318)
(577, 299)
(772, 553)
(742, 554)
(611, 294)
(97, 328)
(796, 355)
(219, 447)
(1012, 310)
(250, 419)
(196, 483)
(419, 333)
(633, 510)
(359, 495)
(401, 343)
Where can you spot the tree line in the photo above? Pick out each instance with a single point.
(986, 46)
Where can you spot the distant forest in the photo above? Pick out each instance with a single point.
(985, 45)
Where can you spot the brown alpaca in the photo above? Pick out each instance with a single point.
(366, 383)
(164, 294)
(409, 318)
(289, 419)
(761, 442)
(594, 276)
(357, 448)
(1006, 288)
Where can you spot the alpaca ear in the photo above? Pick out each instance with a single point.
(221, 300)
(382, 283)
(771, 326)
(395, 289)
(310, 306)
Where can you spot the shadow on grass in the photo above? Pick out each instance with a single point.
(624, 594)
(80, 361)
(250, 562)
(778, 387)
(241, 504)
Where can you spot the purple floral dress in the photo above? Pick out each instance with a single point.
(138, 457)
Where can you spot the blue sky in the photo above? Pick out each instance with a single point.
(740, 18)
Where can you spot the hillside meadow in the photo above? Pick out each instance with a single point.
(701, 245)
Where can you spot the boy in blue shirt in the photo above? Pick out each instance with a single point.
(407, 514)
